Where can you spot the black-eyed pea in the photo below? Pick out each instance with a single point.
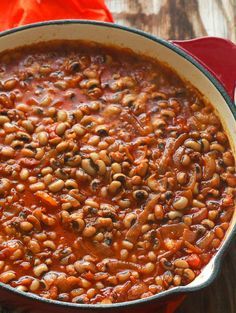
(177, 280)
(189, 274)
(116, 168)
(43, 138)
(7, 152)
(124, 253)
(26, 226)
(129, 220)
(114, 187)
(140, 195)
(181, 263)
(62, 115)
(35, 285)
(192, 144)
(4, 119)
(37, 186)
(62, 146)
(123, 276)
(158, 280)
(208, 223)
(213, 214)
(40, 269)
(148, 268)
(152, 256)
(7, 276)
(127, 244)
(174, 214)
(180, 203)
(49, 244)
(61, 128)
(182, 178)
(56, 186)
(219, 232)
(217, 147)
(89, 231)
(228, 158)
(185, 160)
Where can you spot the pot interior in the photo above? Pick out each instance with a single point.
(145, 45)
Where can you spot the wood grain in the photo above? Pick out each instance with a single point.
(184, 19)
(178, 19)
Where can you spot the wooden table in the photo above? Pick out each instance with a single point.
(184, 19)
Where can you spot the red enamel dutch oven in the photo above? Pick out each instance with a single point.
(209, 64)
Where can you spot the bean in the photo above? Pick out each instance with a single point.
(129, 220)
(37, 186)
(177, 280)
(180, 203)
(123, 276)
(124, 254)
(181, 263)
(71, 184)
(7, 152)
(89, 231)
(56, 186)
(28, 125)
(7, 276)
(49, 244)
(152, 256)
(189, 274)
(114, 187)
(116, 168)
(43, 138)
(62, 116)
(148, 268)
(26, 226)
(217, 147)
(182, 178)
(185, 160)
(40, 269)
(46, 170)
(192, 144)
(174, 214)
(62, 146)
(34, 285)
(79, 130)
(24, 174)
(88, 167)
(4, 119)
(140, 195)
(219, 232)
(127, 245)
(60, 129)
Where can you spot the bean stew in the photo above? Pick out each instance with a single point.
(117, 180)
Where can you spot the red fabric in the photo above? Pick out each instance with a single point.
(15, 13)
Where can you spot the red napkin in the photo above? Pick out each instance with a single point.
(21, 12)
(15, 13)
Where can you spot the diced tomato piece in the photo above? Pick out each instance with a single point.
(194, 261)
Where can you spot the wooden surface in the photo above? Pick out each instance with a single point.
(184, 19)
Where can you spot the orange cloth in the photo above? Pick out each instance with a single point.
(15, 13)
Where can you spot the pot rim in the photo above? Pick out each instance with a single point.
(218, 258)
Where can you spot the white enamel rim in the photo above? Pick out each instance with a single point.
(186, 66)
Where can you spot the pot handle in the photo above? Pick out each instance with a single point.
(218, 55)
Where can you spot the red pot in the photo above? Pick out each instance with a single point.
(209, 64)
